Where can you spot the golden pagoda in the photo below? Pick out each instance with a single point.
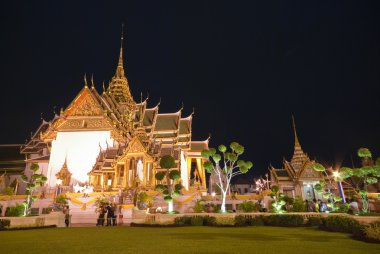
(113, 142)
(297, 177)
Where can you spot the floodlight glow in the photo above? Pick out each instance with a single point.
(336, 174)
(80, 150)
(59, 181)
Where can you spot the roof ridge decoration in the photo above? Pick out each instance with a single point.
(119, 86)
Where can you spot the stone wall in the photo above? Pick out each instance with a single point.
(54, 218)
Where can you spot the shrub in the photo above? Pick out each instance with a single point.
(225, 221)
(340, 224)
(298, 205)
(256, 221)
(248, 206)
(4, 223)
(372, 232)
(196, 221)
(198, 206)
(283, 220)
(15, 211)
(314, 221)
(242, 220)
(182, 221)
(343, 208)
(209, 221)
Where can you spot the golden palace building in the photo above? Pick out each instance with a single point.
(110, 141)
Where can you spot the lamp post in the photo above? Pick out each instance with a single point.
(340, 186)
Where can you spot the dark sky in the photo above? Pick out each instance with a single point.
(244, 67)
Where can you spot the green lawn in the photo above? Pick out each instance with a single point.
(259, 240)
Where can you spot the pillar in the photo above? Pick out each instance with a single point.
(125, 175)
(115, 177)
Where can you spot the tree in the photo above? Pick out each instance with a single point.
(172, 188)
(230, 166)
(278, 200)
(324, 188)
(364, 176)
(32, 182)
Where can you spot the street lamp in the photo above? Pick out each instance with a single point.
(340, 186)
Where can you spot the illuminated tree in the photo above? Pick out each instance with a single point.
(278, 200)
(364, 176)
(172, 188)
(32, 182)
(225, 165)
(324, 188)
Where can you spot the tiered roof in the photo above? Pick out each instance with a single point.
(300, 165)
(116, 110)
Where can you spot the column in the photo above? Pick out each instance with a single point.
(189, 171)
(115, 177)
(125, 175)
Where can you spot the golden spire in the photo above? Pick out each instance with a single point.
(296, 141)
(120, 67)
(119, 87)
(299, 157)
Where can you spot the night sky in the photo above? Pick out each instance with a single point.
(244, 67)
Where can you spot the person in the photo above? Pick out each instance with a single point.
(323, 207)
(66, 212)
(317, 206)
(353, 207)
(314, 205)
(110, 215)
(101, 216)
(307, 206)
(114, 210)
(1, 210)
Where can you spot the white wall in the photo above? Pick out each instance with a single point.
(81, 150)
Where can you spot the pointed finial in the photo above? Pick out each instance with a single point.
(183, 105)
(296, 141)
(121, 46)
(61, 113)
(85, 80)
(92, 81)
(54, 110)
(104, 88)
(41, 117)
(140, 97)
(192, 113)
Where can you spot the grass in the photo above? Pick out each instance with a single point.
(111, 240)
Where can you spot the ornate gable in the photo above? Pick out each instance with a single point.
(84, 105)
(135, 146)
(307, 172)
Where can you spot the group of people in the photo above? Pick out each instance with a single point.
(316, 206)
(108, 212)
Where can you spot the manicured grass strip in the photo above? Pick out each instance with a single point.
(118, 240)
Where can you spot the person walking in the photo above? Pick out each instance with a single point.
(66, 212)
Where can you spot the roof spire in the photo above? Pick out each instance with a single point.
(85, 80)
(120, 67)
(296, 141)
(119, 87)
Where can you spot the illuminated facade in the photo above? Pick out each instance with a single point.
(110, 141)
(297, 177)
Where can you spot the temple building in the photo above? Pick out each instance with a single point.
(110, 141)
(297, 177)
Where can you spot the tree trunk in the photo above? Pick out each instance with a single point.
(223, 205)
